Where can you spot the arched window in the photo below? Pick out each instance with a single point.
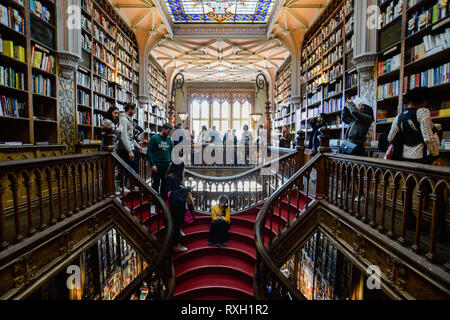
(200, 115)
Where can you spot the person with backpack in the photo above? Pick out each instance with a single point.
(220, 215)
(412, 130)
(179, 199)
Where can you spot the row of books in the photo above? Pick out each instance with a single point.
(392, 12)
(124, 82)
(431, 44)
(123, 96)
(83, 97)
(103, 71)
(12, 18)
(100, 52)
(333, 56)
(42, 85)
(8, 48)
(86, 42)
(429, 78)
(84, 117)
(11, 78)
(313, 112)
(126, 45)
(351, 80)
(98, 119)
(101, 86)
(87, 5)
(83, 79)
(100, 103)
(388, 90)
(12, 107)
(40, 10)
(106, 24)
(123, 68)
(389, 65)
(333, 89)
(333, 73)
(42, 59)
(315, 98)
(425, 17)
(102, 37)
(86, 23)
(333, 105)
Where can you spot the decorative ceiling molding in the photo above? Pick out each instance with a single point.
(225, 31)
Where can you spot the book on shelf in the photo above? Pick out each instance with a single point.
(11, 143)
(13, 51)
(42, 59)
(40, 10)
(12, 107)
(11, 78)
(389, 65)
(424, 17)
(42, 143)
(42, 85)
(12, 18)
(429, 78)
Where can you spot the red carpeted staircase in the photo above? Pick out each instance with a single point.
(207, 272)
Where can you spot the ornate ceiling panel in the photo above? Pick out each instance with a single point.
(220, 11)
(229, 48)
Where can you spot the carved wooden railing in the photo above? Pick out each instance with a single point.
(73, 198)
(246, 190)
(257, 158)
(394, 209)
(296, 197)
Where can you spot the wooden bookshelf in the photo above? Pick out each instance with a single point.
(328, 76)
(31, 92)
(395, 39)
(284, 108)
(156, 114)
(109, 74)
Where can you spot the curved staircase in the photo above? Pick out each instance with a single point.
(207, 272)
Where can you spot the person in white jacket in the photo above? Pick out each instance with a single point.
(128, 147)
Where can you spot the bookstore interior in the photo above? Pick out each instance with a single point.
(68, 201)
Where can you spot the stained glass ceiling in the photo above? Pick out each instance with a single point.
(220, 11)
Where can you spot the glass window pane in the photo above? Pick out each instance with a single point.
(225, 125)
(236, 110)
(225, 110)
(246, 110)
(205, 110)
(236, 124)
(195, 110)
(196, 126)
(217, 124)
(216, 109)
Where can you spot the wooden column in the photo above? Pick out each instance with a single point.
(300, 159)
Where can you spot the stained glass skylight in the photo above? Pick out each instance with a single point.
(220, 11)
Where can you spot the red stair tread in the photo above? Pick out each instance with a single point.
(214, 281)
(215, 260)
(202, 244)
(196, 228)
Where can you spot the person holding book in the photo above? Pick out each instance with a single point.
(220, 215)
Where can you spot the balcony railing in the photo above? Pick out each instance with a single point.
(45, 198)
(402, 207)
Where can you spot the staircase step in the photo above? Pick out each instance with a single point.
(201, 247)
(214, 284)
(216, 260)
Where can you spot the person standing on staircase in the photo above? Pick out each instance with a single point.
(220, 214)
(159, 154)
(179, 198)
(127, 145)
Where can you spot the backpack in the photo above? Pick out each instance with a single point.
(407, 135)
